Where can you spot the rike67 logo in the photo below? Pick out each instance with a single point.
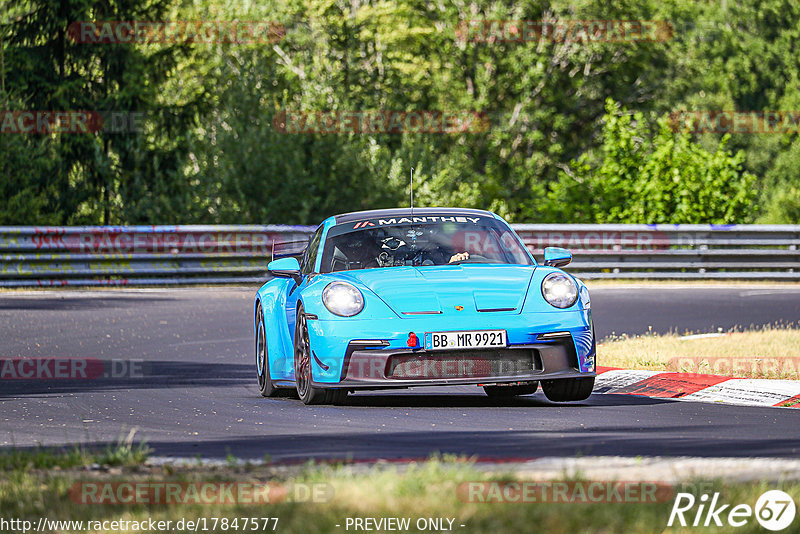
(774, 510)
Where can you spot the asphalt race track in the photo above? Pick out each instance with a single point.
(193, 389)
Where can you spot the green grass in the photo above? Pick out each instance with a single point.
(423, 490)
(122, 453)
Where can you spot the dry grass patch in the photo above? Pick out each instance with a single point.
(768, 353)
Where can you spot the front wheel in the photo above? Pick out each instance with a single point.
(503, 392)
(302, 363)
(568, 389)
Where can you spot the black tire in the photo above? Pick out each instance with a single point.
(503, 392)
(262, 362)
(302, 364)
(568, 389)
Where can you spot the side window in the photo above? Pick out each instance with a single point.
(310, 256)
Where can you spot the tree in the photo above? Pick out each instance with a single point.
(98, 177)
(211, 152)
(640, 176)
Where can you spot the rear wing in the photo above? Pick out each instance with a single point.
(289, 249)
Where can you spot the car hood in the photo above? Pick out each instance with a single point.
(476, 288)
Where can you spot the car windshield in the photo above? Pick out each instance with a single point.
(429, 240)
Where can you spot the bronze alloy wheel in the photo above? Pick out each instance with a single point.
(262, 362)
(302, 363)
(307, 392)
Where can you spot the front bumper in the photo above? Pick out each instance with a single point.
(371, 366)
(339, 345)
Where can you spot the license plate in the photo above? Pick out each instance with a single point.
(467, 339)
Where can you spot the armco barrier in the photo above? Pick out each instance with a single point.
(190, 254)
(140, 255)
(673, 251)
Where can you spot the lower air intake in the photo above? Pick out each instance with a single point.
(466, 364)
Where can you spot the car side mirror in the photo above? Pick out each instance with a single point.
(557, 257)
(285, 268)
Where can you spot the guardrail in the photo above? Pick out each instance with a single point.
(138, 255)
(191, 254)
(673, 251)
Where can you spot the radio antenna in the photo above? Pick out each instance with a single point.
(412, 191)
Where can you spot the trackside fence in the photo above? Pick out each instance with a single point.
(192, 254)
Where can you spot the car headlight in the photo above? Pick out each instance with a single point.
(343, 299)
(559, 290)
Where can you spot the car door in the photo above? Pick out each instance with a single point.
(307, 263)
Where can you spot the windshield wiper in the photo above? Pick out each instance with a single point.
(469, 260)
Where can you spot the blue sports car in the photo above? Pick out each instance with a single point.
(400, 298)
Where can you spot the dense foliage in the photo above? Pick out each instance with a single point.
(576, 130)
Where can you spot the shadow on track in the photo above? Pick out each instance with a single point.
(478, 400)
(721, 440)
(154, 375)
(77, 303)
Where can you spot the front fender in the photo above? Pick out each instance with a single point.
(535, 302)
(272, 297)
(311, 297)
